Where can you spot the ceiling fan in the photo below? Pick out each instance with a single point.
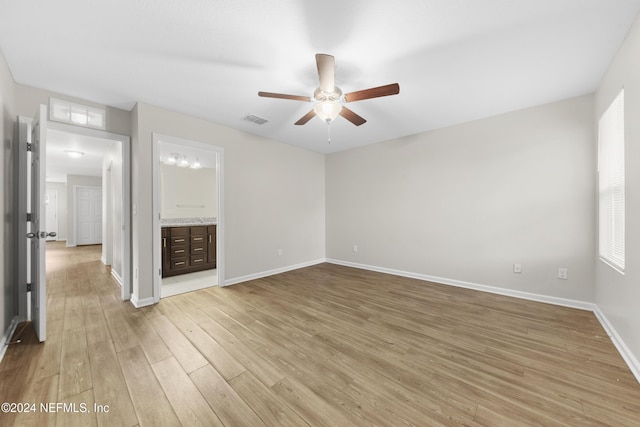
(328, 97)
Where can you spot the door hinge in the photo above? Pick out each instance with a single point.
(29, 146)
(29, 217)
(28, 287)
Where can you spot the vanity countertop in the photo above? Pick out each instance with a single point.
(186, 222)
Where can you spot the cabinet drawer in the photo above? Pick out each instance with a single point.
(198, 249)
(179, 251)
(178, 231)
(178, 263)
(179, 241)
(198, 239)
(198, 231)
(197, 260)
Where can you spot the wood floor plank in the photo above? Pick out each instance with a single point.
(153, 346)
(76, 411)
(75, 368)
(109, 387)
(224, 362)
(228, 406)
(267, 405)
(42, 390)
(187, 401)
(323, 345)
(121, 333)
(311, 407)
(95, 322)
(182, 349)
(49, 363)
(150, 403)
(55, 306)
(251, 360)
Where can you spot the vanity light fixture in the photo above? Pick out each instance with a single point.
(177, 159)
(74, 154)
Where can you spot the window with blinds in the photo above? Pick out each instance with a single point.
(611, 183)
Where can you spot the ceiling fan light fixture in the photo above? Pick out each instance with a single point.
(327, 110)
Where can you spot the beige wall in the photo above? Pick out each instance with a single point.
(273, 196)
(618, 295)
(8, 158)
(466, 202)
(113, 218)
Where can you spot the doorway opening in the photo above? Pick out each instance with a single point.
(93, 193)
(188, 223)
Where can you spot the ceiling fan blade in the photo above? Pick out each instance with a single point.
(351, 116)
(284, 96)
(326, 72)
(306, 118)
(374, 92)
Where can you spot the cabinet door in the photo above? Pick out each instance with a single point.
(166, 264)
(211, 245)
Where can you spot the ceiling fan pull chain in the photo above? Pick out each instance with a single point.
(329, 132)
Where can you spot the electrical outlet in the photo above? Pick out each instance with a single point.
(355, 248)
(563, 273)
(279, 252)
(517, 268)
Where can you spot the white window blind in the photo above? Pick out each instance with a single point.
(611, 183)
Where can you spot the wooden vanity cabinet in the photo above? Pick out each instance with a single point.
(211, 245)
(188, 249)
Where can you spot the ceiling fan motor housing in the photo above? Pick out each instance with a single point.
(320, 95)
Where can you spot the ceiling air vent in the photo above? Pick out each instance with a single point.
(255, 119)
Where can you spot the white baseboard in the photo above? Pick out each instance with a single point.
(582, 305)
(6, 338)
(236, 280)
(116, 277)
(625, 352)
(618, 342)
(138, 303)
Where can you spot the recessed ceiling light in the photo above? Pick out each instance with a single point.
(74, 154)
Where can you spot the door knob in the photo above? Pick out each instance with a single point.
(33, 235)
(52, 234)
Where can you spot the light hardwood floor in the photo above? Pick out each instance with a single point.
(325, 345)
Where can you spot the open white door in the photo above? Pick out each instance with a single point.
(31, 255)
(38, 235)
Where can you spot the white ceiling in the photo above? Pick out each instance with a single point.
(455, 60)
(59, 165)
